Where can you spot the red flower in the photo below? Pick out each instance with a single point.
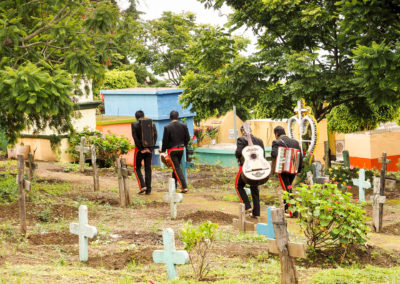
(338, 202)
(102, 97)
(194, 137)
(336, 182)
(289, 187)
(330, 209)
(349, 187)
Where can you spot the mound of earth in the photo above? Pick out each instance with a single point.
(393, 229)
(213, 216)
(54, 238)
(140, 237)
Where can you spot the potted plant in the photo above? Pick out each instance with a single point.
(212, 133)
(199, 134)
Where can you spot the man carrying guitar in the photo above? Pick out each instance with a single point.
(286, 179)
(176, 136)
(241, 143)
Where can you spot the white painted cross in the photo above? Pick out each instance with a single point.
(362, 184)
(170, 256)
(376, 200)
(172, 197)
(84, 231)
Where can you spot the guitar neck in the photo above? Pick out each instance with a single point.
(249, 140)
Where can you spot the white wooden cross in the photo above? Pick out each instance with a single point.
(84, 231)
(172, 197)
(376, 200)
(82, 149)
(242, 224)
(362, 184)
(170, 256)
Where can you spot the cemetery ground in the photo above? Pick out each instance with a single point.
(122, 250)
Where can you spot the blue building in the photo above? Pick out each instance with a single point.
(156, 103)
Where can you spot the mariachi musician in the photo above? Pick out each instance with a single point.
(286, 179)
(175, 138)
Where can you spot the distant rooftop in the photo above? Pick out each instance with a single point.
(154, 91)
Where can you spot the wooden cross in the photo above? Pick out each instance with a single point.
(31, 165)
(22, 186)
(122, 171)
(362, 184)
(286, 250)
(377, 201)
(346, 158)
(170, 256)
(242, 224)
(82, 149)
(172, 197)
(96, 185)
(384, 161)
(316, 173)
(84, 231)
(267, 229)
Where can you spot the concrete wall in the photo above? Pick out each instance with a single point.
(225, 128)
(43, 151)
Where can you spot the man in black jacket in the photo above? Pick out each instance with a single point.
(286, 179)
(241, 143)
(142, 153)
(176, 136)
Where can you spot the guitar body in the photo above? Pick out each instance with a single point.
(166, 160)
(255, 169)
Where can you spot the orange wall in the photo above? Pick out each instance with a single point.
(120, 129)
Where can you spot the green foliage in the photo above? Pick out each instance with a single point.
(108, 148)
(199, 133)
(198, 242)
(329, 217)
(8, 189)
(308, 159)
(343, 176)
(116, 79)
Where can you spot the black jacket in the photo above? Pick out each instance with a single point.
(176, 134)
(287, 142)
(242, 142)
(137, 134)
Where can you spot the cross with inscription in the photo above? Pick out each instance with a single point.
(362, 184)
(170, 256)
(84, 231)
(172, 197)
(316, 168)
(82, 149)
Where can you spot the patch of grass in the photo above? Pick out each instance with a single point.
(8, 189)
(53, 189)
(241, 237)
(229, 197)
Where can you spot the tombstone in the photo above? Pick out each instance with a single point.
(242, 224)
(362, 184)
(377, 200)
(316, 168)
(82, 149)
(346, 158)
(173, 197)
(267, 229)
(31, 165)
(310, 178)
(285, 249)
(95, 170)
(170, 256)
(84, 231)
(122, 182)
(22, 185)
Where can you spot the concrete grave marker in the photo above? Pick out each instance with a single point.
(82, 149)
(242, 224)
(310, 178)
(316, 168)
(267, 229)
(172, 197)
(362, 184)
(84, 231)
(377, 200)
(170, 256)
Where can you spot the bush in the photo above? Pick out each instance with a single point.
(8, 189)
(329, 217)
(343, 176)
(108, 148)
(198, 242)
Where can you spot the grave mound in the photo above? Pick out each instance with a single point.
(213, 216)
(393, 229)
(140, 237)
(53, 238)
(34, 212)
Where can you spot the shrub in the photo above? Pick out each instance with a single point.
(198, 242)
(108, 148)
(343, 176)
(8, 189)
(329, 217)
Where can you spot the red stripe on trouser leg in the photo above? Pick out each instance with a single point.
(134, 167)
(236, 182)
(173, 166)
(284, 188)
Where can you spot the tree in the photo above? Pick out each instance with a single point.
(46, 46)
(308, 49)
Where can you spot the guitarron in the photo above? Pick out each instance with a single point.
(256, 169)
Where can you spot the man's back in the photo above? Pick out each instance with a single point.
(175, 134)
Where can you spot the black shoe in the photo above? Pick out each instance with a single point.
(148, 192)
(143, 190)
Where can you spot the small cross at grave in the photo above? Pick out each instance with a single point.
(377, 201)
(267, 229)
(316, 168)
(31, 165)
(384, 161)
(242, 224)
(82, 149)
(286, 250)
(362, 184)
(172, 197)
(84, 231)
(122, 171)
(170, 256)
(310, 178)
(96, 185)
(22, 186)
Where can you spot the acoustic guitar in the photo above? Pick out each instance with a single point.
(256, 169)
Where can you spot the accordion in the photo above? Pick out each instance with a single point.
(287, 160)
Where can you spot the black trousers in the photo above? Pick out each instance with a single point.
(255, 194)
(286, 180)
(177, 173)
(138, 158)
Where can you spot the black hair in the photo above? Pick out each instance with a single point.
(279, 130)
(139, 114)
(173, 115)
